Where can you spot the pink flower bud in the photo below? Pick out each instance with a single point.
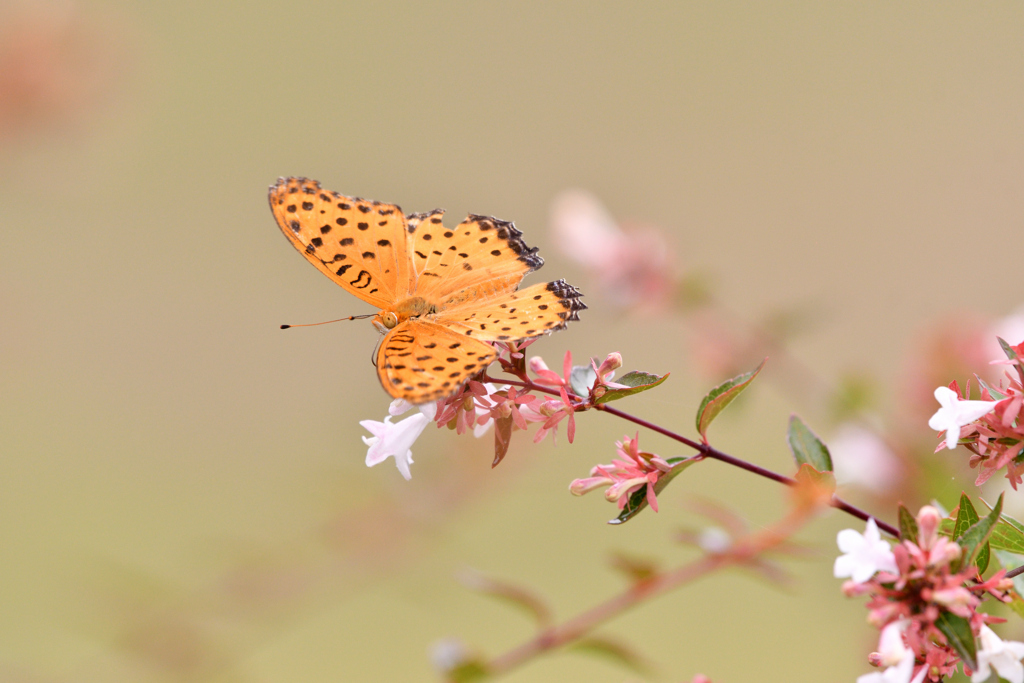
(611, 363)
(928, 520)
(580, 486)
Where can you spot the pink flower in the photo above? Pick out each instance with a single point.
(633, 471)
(912, 598)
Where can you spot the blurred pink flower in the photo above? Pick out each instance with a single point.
(633, 269)
(862, 458)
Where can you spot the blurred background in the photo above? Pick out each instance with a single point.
(182, 489)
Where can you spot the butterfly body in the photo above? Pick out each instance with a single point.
(444, 293)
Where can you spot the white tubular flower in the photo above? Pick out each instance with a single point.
(1002, 655)
(396, 439)
(955, 413)
(896, 656)
(864, 554)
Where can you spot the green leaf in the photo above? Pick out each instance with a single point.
(469, 671)
(908, 525)
(983, 557)
(617, 652)
(636, 569)
(973, 540)
(1012, 355)
(1016, 603)
(960, 637)
(509, 593)
(502, 438)
(993, 392)
(1012, 561)
(1008, 534)
(966, 517)
(635, 382)
(807, 447)
(721, 396)
(1007, 349)
(638, 500)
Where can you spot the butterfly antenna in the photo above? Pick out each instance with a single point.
(351, 317)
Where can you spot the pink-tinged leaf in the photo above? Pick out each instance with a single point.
(721, 396)
(814, 489)
(634, 382)
(518, 418)
(502, 438)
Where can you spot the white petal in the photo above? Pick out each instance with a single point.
(429, 410)
(394, 439)
(399, 406)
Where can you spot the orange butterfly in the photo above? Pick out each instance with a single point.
(443, 293)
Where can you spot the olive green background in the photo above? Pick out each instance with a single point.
(182, 494)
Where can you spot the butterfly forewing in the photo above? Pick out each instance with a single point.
(423, 361)
(358, 243)
(480, 258)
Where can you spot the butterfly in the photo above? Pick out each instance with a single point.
(444, 293)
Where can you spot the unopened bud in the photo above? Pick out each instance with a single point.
(537, 365)
(928, 520)
(611, 363)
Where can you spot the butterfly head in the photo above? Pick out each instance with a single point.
(385, 320)
(413, 307)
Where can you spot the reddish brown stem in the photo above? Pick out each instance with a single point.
(580, 625)
(712, 452)
(744, 550)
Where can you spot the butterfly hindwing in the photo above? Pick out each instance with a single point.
(358, 243)
(423, 361)
(522, 314)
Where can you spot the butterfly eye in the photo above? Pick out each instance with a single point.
(390, 320)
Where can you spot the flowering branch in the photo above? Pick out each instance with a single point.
(707, 451)
(742, 551)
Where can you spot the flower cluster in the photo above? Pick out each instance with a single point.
(479, 404)
(633, 470)
(914, 587)
(991, 428)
